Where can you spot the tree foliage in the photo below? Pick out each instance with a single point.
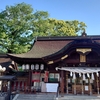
(19, 24)
(53, 27)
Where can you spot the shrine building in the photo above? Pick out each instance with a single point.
(72, 62)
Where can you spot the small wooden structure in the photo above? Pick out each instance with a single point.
(9, 80)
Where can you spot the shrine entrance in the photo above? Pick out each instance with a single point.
(81, 80)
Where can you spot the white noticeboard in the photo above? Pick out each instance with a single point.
(86, 88)
(51, 87)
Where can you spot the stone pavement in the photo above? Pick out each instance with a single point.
(45, 96)
(51, 96)
(79, 97)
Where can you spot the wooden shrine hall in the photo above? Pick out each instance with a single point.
(72, 62)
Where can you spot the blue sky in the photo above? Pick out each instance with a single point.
(87, 11)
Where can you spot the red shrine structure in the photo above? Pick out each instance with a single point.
(72, 62)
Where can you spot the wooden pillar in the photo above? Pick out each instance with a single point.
(29, 79)
(67, 82)
(62, 83)
(82, 86)
(74, 86)
(90, 89)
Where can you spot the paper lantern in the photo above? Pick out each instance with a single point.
(37, 66)
(0, 67)
(42, 66)
(32, 67)
(27, 66)
(23, 67)
(4, 69)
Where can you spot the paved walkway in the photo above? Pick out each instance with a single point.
(35, 97)
(50, 96)
(79, 97)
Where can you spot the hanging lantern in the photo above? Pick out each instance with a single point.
(37, 66)
(92, 76)
(42, 66)
(71, 74)
(23, 67)
(0, 67)
(4, 69)
(27, 66)
(74, 76)
(83, 76)
(32, 67)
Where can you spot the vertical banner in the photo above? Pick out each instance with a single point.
(46, 76)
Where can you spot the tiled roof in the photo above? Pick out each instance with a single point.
(45, 46)
(4, 60)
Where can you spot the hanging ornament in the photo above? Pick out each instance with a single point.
(83, 76)
(79, 74)
(97, 74)
(74, 76)
(88, 75)
(71, 74)
(92, 76)
(23, 67)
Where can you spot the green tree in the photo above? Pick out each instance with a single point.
(54, 27)
(19, 25)
(16, 24)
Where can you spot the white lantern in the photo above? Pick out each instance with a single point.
(27, 66)
(23, 66)
(37, 66)
(42, 66)
(4, 69)
(0, 68)
(32, 67)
